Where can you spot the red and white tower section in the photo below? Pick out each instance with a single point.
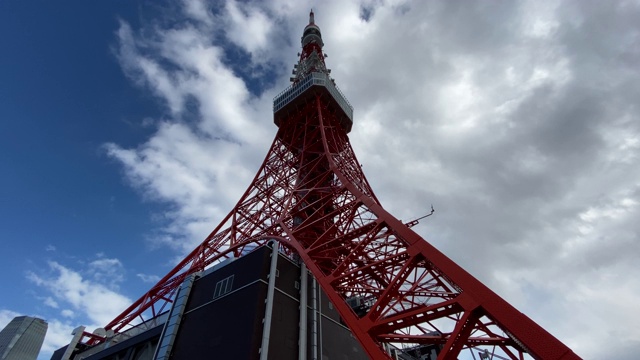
(310, 197)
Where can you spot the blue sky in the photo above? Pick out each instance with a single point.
(128, 129)
(62, 96)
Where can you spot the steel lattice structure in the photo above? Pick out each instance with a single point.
(388, 284)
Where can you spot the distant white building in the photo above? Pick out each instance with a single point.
(22, 338)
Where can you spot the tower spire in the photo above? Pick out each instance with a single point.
(312, 56)
(312, 72)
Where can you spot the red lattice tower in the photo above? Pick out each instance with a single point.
(311, 195)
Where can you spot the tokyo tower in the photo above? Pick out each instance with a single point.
(311, 199)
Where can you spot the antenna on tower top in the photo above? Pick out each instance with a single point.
(311, 21)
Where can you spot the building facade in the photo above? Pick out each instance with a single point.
(263, 305)
(22, 338)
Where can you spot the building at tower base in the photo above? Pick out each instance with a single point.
(22, 338)
(244, 308)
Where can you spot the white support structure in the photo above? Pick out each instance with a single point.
(302, 337)
(266, 329)
(170, 330)
(77, 335)
(314, 319)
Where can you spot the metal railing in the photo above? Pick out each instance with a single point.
(314, 78)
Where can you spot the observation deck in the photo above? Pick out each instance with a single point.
(300, 93)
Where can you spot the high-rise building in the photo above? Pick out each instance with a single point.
(397, 294)
(22, 338)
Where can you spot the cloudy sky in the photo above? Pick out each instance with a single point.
(129, 128)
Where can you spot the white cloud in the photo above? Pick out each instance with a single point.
(107, 271)
(198, 10)
(94, 300)
(67, 313)
(148, 278)
(105, 264)
(229, 124)
(50, 302)
(517, 121)
(248, 27)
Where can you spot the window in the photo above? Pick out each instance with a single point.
(223, 286)
(296, 285)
